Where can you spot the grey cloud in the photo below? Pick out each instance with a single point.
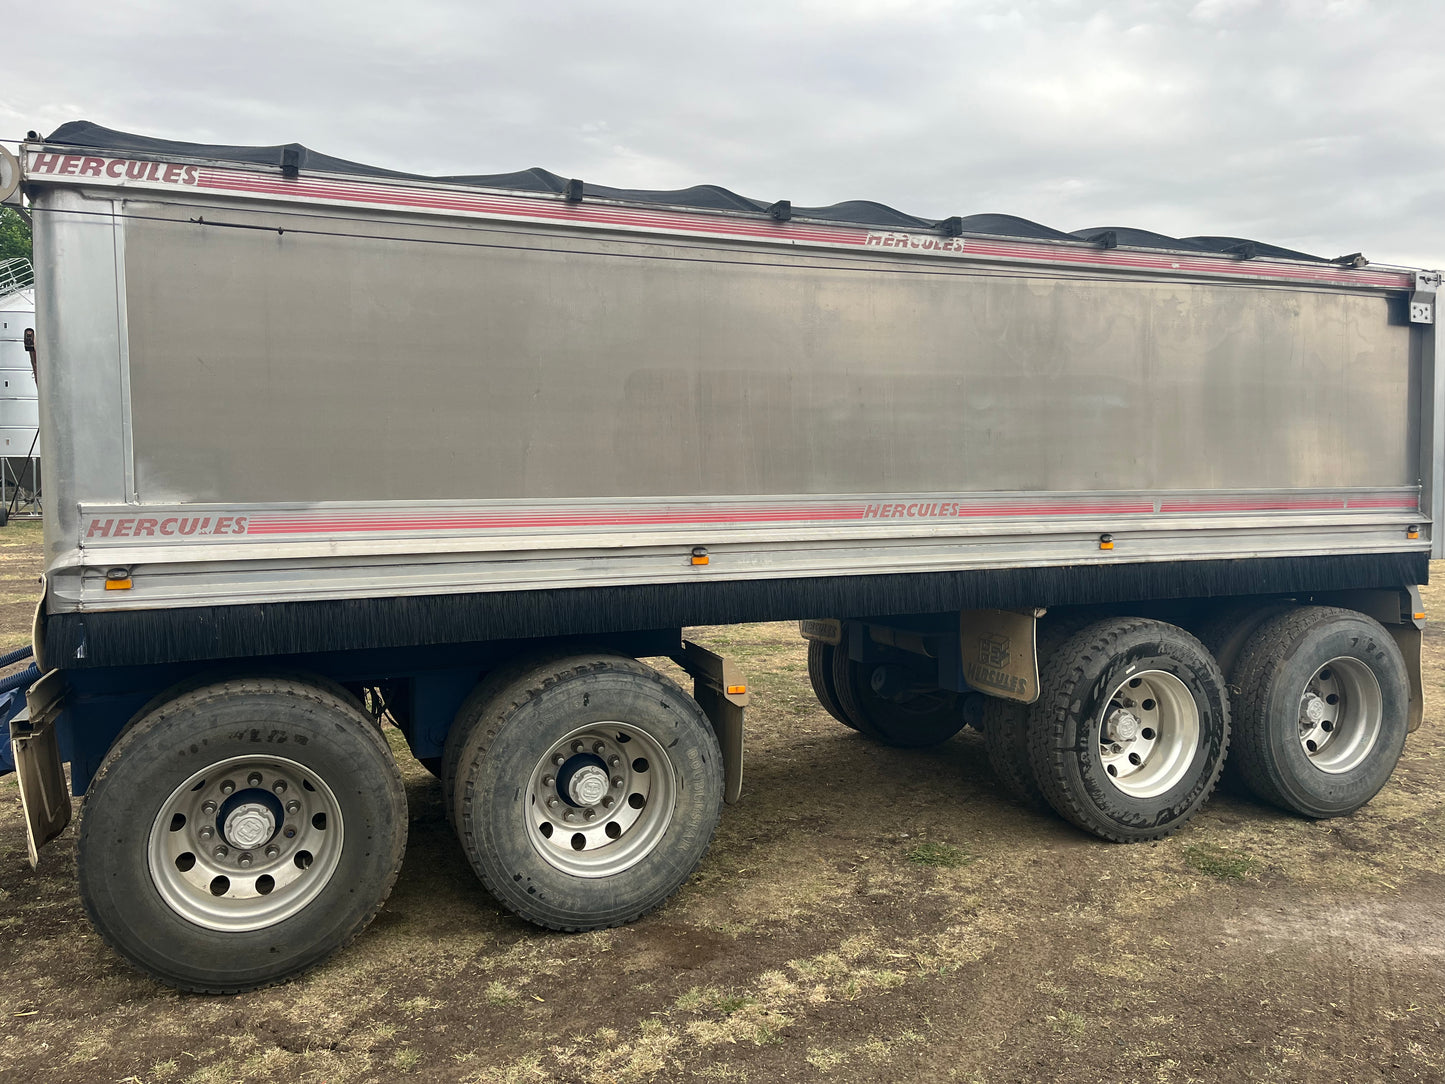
(1308, 124)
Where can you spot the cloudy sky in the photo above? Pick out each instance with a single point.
(1314, 124)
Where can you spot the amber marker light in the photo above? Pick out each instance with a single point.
(1106, 541)
(699, 555)
(737, 690)
(1412, 531)
(118, 579)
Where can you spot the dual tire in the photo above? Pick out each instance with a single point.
(584, 790)
(1134, 719)
(912, 719)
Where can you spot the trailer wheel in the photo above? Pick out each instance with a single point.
(241, 833)
(1322, 710)
(909, 721)
(587, 792)
(1129, 733)
(820, 673)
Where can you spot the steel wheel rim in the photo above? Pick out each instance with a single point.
(245, 843)
(1148, 734)
(600, 799)
(1341, 713)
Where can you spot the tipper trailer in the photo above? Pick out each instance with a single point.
(327, 443)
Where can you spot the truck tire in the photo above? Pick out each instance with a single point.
(820, 673)
(1005, 723)
(470, 714)
(241, 833)
(1130, 730)
(1322, 710)
(1226, 632)
(587, 792)
(909, 722)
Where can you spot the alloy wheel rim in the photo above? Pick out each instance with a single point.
(245, 843)
(600, 799)
(1148, 734)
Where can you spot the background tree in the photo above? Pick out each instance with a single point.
(14, 235)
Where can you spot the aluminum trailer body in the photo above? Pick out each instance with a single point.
(381, 428)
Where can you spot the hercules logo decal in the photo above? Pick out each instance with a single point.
(170, 527)
(988, 670)
(115, 169)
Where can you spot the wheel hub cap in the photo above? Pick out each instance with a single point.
(588, 785)
(250, 825)
(1123, 726)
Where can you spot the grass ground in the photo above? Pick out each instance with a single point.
(865, 914)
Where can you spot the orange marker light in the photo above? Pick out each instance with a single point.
(1106, 541)
(118, 585)
(699, 555)
(737, 690)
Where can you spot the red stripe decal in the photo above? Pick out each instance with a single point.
(343, 191)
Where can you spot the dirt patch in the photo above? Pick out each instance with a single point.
(865, 914)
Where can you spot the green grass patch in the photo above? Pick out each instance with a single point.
(1219, 862)
(945, 855)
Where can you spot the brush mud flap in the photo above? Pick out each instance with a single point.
(999, 654)
(721, 691)
(43, 792)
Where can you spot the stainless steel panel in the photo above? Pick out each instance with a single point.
(289, 367)
(77, 325)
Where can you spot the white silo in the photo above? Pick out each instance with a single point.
(19, 405)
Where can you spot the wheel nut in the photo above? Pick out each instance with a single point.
(559, 760)
(227, 787)
(569, 816)
(254, 779)
(272, 852)
(244, 860)
(607, 801)
(548, 780)
(597, 747)
(207, 832)
(589, 813)
(552, 802)
(576, 747)
(221, 851)
(293, 806)
(279, 786)
(290, 832)
(617, 780)
(208, 807)
(613, 761)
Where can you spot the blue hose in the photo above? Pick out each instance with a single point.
(16, 655)
(22, 680)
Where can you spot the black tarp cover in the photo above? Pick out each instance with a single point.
(703, 197)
